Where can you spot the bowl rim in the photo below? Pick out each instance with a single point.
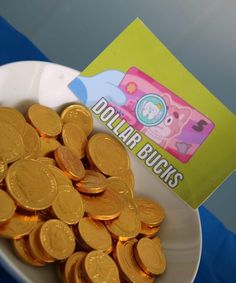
(6, 263)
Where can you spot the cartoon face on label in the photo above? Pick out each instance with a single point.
(163, 116)
(151, 110)
(172, 124)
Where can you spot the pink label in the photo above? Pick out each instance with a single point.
(162, 116)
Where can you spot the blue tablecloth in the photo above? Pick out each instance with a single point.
(218, 260)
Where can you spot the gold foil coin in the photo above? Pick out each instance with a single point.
(7, 206)
(48, 146)
(31, 142)
(59, 176)
(14, 118)
(72, 268)
(117, 185)
(90, 161)
(100, 267)
(31, 184)
(22, 251)
(129, 268)
(74, 137)
(105, 206)
(3, 169)
(108, 155)
(18, 226)
(157, 240)
(46, 161)
(92, 183)
(82, 196)
(11, 143)
(68, 205)
(126, 226)
(128, 178)
(78, 275)
(150, 257)
(57, 239)
(70, 163)
(45, 120)
(80, 115)
(35, 246)
(95, 235)
(149, 232)
(150, 212)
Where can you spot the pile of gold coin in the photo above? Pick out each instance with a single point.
(67, 196)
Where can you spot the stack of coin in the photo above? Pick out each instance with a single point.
(67, 196)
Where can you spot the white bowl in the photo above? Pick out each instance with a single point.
(23, 83)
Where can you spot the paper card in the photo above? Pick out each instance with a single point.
(161, 112)
(162, 116)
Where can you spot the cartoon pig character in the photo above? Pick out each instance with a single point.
(151, 110)
(176, 118)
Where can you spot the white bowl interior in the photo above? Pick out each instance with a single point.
(23, 83)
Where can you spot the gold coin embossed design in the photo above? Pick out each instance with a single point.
(150, 212)
(129, 268)
(105, 206)
(59, 176)
(48, 146)
(70, 163)
(108, 155)
(80, 115)
(92, 183)
(150, 257)
(18, 226)
(45, 120)
(14, 118)
(3, 169)
(95, 235)
(128, 178)
(11, 143)
(31, 142)
(36, 247)
(149, 232)
(7, 206)
(74, 137)
(31, 184)
(21, 249)
(126, 226)
(117, 185)
(73, 268)
(68, 205)
(100, 267)
(46, 161)
(57, 239)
